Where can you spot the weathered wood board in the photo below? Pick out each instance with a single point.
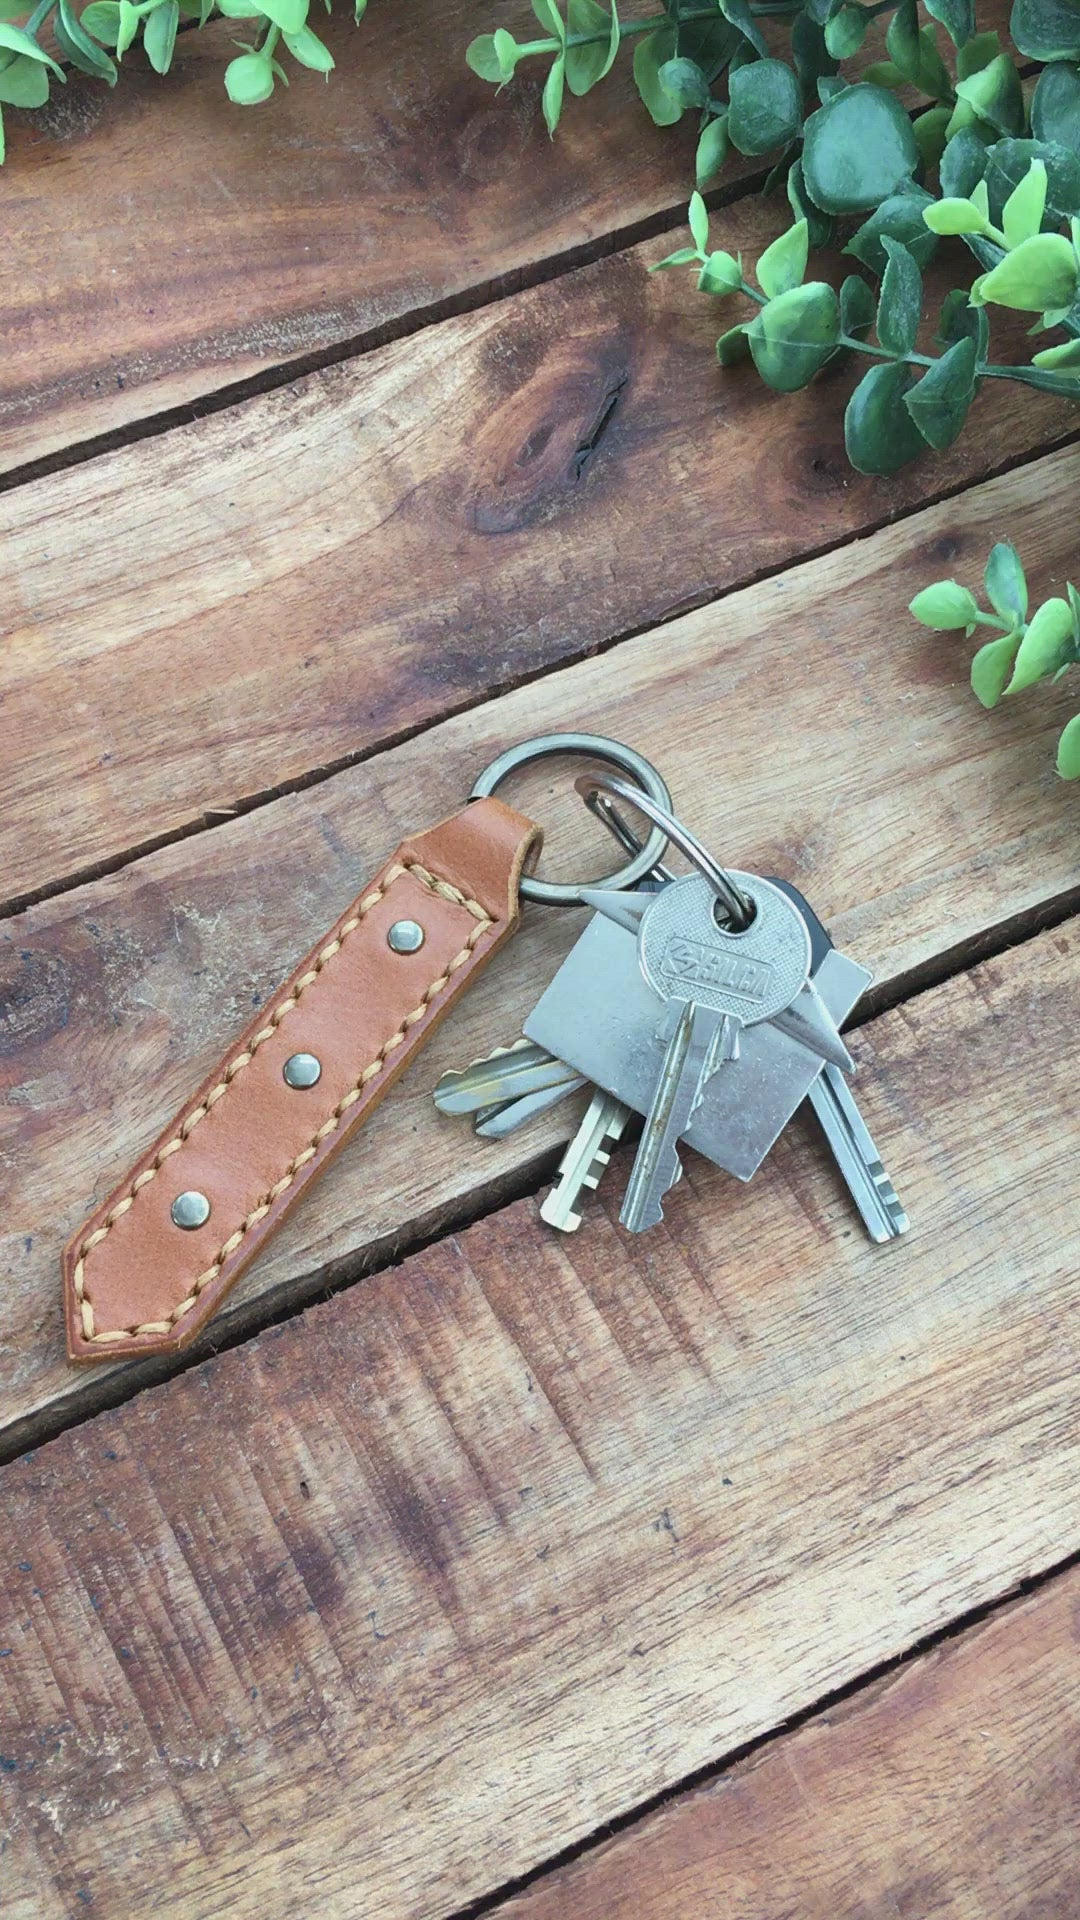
(947, 1792)
(916, 823)
(208, 616)
(399, 1597)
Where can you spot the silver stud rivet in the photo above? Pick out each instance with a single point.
(301, 1070)
(190, 1209)
(405, 936)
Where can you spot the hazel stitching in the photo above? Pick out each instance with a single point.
(329, 1126)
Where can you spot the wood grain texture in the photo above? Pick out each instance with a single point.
(214, 242)
(948, 1792)
(210, 615)
(808, 728)
(369, 1615)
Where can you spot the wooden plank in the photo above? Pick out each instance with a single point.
(208, 616)
(368, 1615)
(807, 727)
(948, 1792)
(213, 242)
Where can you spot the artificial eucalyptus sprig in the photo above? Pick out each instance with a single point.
(1024, 651)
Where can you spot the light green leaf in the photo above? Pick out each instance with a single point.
(1068, 753)
(930, 129)
(550, 19)
(289, 15)
(698, 215)
(954, 216)
(1041, 272)
(77, 46)
(1023, 210)
(991, 668)
(23, 43)
(159, 35)
(1049, 643)
(586, 65)
(682, 257)
(1066, 355)
(249, 79)
(306, 47)
(721, 274)
(994, 95)
(783, 264)
(553, 93)
(712, 151)
(765, 106)
(858, 149)
(945, 606)
(25, 83)
(102, 21)
(482, 56)
(652, 52)
(794, 335)
(1006, 583)
(129, 26)
(901, 300)
(1008, 162)
(977, 53)
(939, 402)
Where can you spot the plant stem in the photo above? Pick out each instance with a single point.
(39, 16)
(626, 29)
(273, 35)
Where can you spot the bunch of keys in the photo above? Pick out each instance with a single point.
(710, 1004)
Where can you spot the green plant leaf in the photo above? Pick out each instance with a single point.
(249, 79)
(793, 335)
(23, 43)
(553, 93)
(733, 346)
(961, 321)
(1042, 272)
(846, 31)
(956, 16)
(709, 41)
(1022, 213)
(858, 148)
(857, 307)
(1055, 107)
(901, 300)
(900, 217)
(712, 150)
(739, 14)
(994, 95)
(821, 227)
(1048, 643)
(1007, 163)
(652, 52)
(77, 46)
(1046, 29)
(813, 61)
(1068, 753)
(1006, 583)
(159, 35)
(765, 106)
(682, 257)
(310, 51)
(289, 15)
(902, 40)
(129, 27)
(25, 83)
(977, 53)
(698, 216)
(954, 216)
(991, 668)
(588, 64)
(963, 164)
(930, 129)
(550, 19)
(721, 273)
(945, 606)
(483, 57)
(879, 432)
(939, 402)
(1067, 354)
(685, 82)
(102, 21)
(783, 264)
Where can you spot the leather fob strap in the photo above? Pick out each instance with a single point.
(135, 1282)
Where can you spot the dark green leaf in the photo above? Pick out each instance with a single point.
(1008, 163)
(765, 109)
(901, 300)
(821, 226)
(900, 217)
(159, 35)
(712, 151)
(956, 16)
(961, 321)
(1006, 583)
(1055, 107)
(708, 42)
(977, 52)
(685, 82)
(1046, 29)
(588, 64)
(902, 40)
(651, 53)
(994, 95)
(813, 61)
(939, 403)
(846, 31)
(733, 346)
(794, 335)
(933, 75)
(879, 433)
(857, 307)
(858, 149)
(930, 129)
(739, 14)
(991, 668)
(963, 164)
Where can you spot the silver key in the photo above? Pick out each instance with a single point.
(584, 1161)
(504, 1074)
(506, 1116)
(857, 1157)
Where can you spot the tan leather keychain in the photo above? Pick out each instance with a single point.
(145, 1272)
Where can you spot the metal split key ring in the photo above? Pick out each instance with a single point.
(645, 788)
(738, 909)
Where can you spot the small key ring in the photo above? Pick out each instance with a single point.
(650, 790)
(739, 909)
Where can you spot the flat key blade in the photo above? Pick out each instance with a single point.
(688, 1060)
(857, 1157)
(582, 1165)
(503, 1075)
(496, 1122)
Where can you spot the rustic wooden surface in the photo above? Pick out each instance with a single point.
(391, 540)
(123, 993)
(414, 1592)
(948, 1792)
(508, 1539)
